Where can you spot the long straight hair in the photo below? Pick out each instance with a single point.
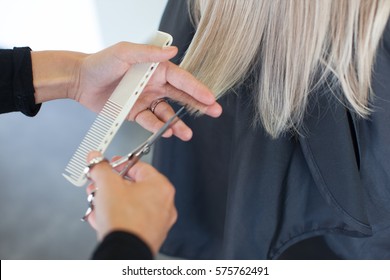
(293, 45)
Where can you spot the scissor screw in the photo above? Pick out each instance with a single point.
(146, 150)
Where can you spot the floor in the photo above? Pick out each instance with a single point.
(40, 210)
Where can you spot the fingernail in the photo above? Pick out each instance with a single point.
(214, 111)
(168, 133)
(169, 48)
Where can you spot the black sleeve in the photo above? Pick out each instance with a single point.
(16, 82)
(120, 245)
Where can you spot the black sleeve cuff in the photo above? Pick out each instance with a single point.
(120, 245)
(23, 86)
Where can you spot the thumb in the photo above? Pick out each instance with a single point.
(101, 172)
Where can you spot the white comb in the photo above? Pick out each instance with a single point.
(114, 113)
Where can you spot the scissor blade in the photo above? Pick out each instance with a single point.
(120, 161)
(166, 126)
(144, 148)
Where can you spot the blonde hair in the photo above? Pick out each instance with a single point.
(294, 45)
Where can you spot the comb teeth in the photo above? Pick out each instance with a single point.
(97, 139)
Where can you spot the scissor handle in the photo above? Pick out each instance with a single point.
(129, 165)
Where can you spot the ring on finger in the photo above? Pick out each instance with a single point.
(154, 104)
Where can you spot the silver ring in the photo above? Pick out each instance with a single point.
(92, 163)
(155, 103)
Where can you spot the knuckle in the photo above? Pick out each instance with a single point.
(174, 215)
(168, 190)
(121, 46)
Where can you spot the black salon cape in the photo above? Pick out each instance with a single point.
(17, 94)
(324, 194)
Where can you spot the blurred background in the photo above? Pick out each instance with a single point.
(40, 211)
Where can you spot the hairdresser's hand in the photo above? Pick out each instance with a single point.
(99, 74)
(144, 207)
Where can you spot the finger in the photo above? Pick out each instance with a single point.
(164, 112)
(141, 53)
(90, 189)
(119, 167)
(144, 102)
(114, 158)
(173, 215)
(102, 172)
(186, 82)
(92, 220)
(154, 121)
(92, 155)
(151, 122)
(183, 98)
(153, 92)
(142, 171)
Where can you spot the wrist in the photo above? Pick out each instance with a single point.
(55, 74)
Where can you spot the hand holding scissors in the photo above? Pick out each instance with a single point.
(132, 158)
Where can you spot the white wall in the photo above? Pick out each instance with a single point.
(80, 25)
(131, 20)
(40, 210)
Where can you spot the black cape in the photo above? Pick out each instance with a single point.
(323, 194)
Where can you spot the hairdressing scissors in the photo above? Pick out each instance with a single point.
(134, 156)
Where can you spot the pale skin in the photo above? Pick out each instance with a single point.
(144, 206)
(90, 79)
